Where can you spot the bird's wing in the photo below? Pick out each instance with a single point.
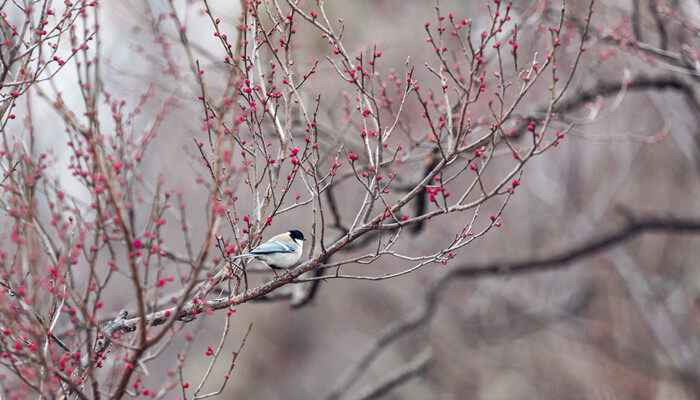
(273, 246)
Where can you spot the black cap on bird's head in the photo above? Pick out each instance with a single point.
(296, 235)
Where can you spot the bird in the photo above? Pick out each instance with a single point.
(280, 252)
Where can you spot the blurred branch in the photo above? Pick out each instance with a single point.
(677, 62)
(636, 224)
(400, 376)
(660, 27)
(616, 87)
(641, 82)
(390, 335)
(636, 24)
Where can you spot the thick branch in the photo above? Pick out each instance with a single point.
(635, 225)
(642, 82)
(398, 377)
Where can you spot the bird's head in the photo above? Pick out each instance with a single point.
(296, 235)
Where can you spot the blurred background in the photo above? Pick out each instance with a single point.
(620, 324)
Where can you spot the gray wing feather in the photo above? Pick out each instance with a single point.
(243, 255)
(272, 247)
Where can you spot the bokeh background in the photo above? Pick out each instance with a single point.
(621, 324)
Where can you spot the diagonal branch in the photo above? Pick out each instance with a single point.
(635, 224)
(399, 376)
(642, 82)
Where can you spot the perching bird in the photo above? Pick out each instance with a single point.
(281, 251)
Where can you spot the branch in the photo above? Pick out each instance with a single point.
(637, 83)
(610, 88)
(410, 370)
(635, 225)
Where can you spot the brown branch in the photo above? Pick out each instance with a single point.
(636, 23)
(660, 27)
(390, 335)
(610, 88)
(416, 367)
(635, 225)
(637, 83)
